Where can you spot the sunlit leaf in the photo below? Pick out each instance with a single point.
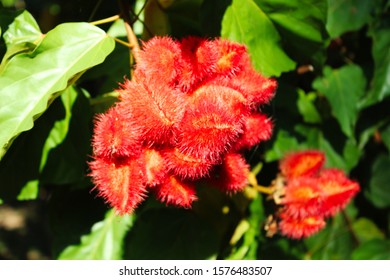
(29, 82)
(259, 34)
(104, 242)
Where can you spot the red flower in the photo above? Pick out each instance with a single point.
(176, 192)
(121, 182)
(300, 228)
(305, 163)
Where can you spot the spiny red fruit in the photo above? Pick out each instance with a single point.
(232, 173)
(190, 110)
(304, 163)
(114, 137)
(121, 183)
(303, 197)
(311, 193)
(155, 107)
(176, 192)
(302, 227)
(161, 59)
(337, 189)
(257, 128)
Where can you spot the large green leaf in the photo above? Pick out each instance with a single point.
(171, 234)
(104, 242)
(379, 187)
(347, 15)
(343, 88)
(259, 34)
(30, 81)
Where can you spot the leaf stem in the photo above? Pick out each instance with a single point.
(105, 20)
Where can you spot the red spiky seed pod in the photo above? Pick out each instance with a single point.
(300, 228)
(121, 183)
(156, 106)
(161, 59)
(232, 173)
(337, 190)
(115, 136)
(176, 192)
(257, 128)
(185, 166)
(303, 163)
(303, 197)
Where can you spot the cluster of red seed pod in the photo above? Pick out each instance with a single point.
(311, 193)
(189, 112)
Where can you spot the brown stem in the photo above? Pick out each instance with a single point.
(134, 51)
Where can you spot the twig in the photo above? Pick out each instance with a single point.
(105, 20)
(134, 51)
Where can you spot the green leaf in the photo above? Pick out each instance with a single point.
(379, 187)
(171, 234)
(307, 108)
(29, 82)
(373, 250)
(104, 242)
(54, 152)
(335, 242)
(380, 84)
(366, 230)
(385, 134)
(343, 88)
(259, 34)
(283, 143)
(66, 148)
(249, 230)
(347, 15)
(301, 25)
(24, 29)
(22, 36)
